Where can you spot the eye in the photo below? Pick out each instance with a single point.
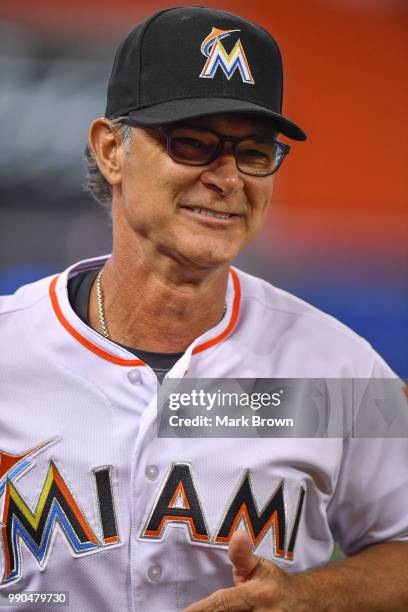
(191, 146)
(186, 141)
(254, 157)
(255, 153)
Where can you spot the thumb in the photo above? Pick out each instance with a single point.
(240, 552)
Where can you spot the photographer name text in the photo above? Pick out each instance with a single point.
(253, 420)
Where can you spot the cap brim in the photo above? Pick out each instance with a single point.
(179, 110)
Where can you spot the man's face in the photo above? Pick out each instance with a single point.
(164, 203)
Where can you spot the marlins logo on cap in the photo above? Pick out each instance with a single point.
(156, 79)
(214, 50)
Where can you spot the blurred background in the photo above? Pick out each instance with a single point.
(337, 230)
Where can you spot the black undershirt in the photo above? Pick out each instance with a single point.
(79, 288)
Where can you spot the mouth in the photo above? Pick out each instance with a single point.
(208, 214)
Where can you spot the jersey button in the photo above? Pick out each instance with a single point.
(152, 472)
(154, 573)
(134, 377)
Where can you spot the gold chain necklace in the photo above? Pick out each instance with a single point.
(101, 308)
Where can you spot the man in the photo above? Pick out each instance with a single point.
(114, 515)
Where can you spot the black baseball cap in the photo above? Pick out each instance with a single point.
(190, 62)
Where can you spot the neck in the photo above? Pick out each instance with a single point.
(158, 308)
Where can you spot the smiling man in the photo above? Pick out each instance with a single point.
(93, 502)
(182, 211)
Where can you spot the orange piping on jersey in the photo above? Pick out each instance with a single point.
(138, 362)
(235, 312)
(84, 341)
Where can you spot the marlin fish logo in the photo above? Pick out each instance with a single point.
(214, 50)
(13, 466)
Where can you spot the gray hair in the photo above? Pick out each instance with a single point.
(96, 183)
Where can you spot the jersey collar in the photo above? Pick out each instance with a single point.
(108, 350)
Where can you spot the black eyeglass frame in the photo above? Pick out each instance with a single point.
(166, 130)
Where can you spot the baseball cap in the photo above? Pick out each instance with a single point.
(187, 62)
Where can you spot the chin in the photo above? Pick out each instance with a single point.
(205, 261)
(202, 259)
(212, 255)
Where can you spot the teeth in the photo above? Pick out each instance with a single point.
(209, 213)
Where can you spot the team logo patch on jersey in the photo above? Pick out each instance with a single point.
(56, 508)
(213, 49)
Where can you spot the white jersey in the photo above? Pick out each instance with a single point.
(92, 502)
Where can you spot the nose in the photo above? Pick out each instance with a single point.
(222, 175)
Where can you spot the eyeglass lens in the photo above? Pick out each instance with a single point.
(191, 146)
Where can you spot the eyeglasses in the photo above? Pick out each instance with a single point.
(196, 146)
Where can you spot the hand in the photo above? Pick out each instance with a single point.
(260, 586)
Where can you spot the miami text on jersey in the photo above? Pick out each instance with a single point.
(178, 502)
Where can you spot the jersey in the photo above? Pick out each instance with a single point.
(94, 503)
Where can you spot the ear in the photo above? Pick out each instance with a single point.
(106, 146)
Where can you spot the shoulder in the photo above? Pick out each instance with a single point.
(34, 300)
(24, 318)
(279, 303)
(24, 298)
(309, 341)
